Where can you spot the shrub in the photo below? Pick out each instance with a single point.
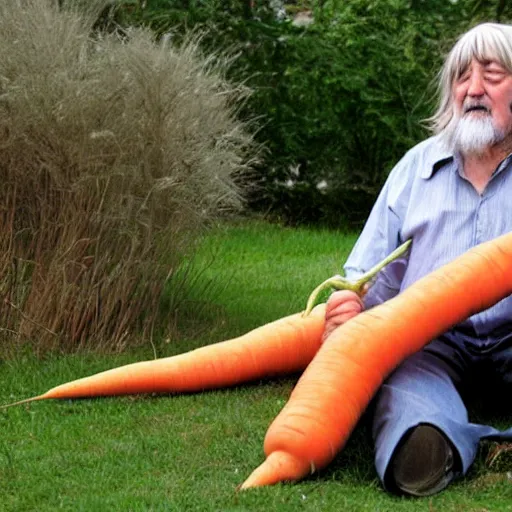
(113, 153)
(350, 93)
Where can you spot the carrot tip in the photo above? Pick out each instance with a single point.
(21, 402)
(279, 466)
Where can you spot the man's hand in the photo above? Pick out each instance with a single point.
(341, 306)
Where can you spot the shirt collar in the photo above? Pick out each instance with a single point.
(437, 157)
(506, 161)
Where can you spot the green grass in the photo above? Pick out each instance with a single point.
(190, 452)
(254, 272)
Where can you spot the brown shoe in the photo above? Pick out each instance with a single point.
(423, 462)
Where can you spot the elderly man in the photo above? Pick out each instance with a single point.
(449, 193)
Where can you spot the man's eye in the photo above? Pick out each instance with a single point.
(495, 76)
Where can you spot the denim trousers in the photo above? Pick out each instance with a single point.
(434, 386)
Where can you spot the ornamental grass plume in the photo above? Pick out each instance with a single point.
(114, 150)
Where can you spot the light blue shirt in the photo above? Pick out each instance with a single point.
(427, 198)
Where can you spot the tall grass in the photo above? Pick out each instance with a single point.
(113, 152)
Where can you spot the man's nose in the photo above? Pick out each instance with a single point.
(476, 84)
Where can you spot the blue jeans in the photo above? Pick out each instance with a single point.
(431, 387)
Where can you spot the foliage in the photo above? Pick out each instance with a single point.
(350, 101)
(490, 10)
(339, 100)
(113, 153)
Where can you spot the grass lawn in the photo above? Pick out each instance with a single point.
(190, 452)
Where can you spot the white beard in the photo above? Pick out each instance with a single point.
(470, 135)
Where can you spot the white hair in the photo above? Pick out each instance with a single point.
(487, 41)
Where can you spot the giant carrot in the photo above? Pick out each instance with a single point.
(278, 348)
(351, 365)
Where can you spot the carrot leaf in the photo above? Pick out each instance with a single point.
(359, 286)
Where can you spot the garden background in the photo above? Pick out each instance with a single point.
(175, 173)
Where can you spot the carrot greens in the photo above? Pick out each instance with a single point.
(358, 286)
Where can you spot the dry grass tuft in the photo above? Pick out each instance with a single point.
(112, 153)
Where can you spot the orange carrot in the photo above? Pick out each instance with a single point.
(351, 365)
(281, 347)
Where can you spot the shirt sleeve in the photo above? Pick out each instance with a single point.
(382, 234)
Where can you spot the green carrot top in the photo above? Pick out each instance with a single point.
(360, 286)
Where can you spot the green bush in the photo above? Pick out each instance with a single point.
(113, 153)
(345, 99)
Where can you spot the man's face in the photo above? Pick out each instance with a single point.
(483, 99)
